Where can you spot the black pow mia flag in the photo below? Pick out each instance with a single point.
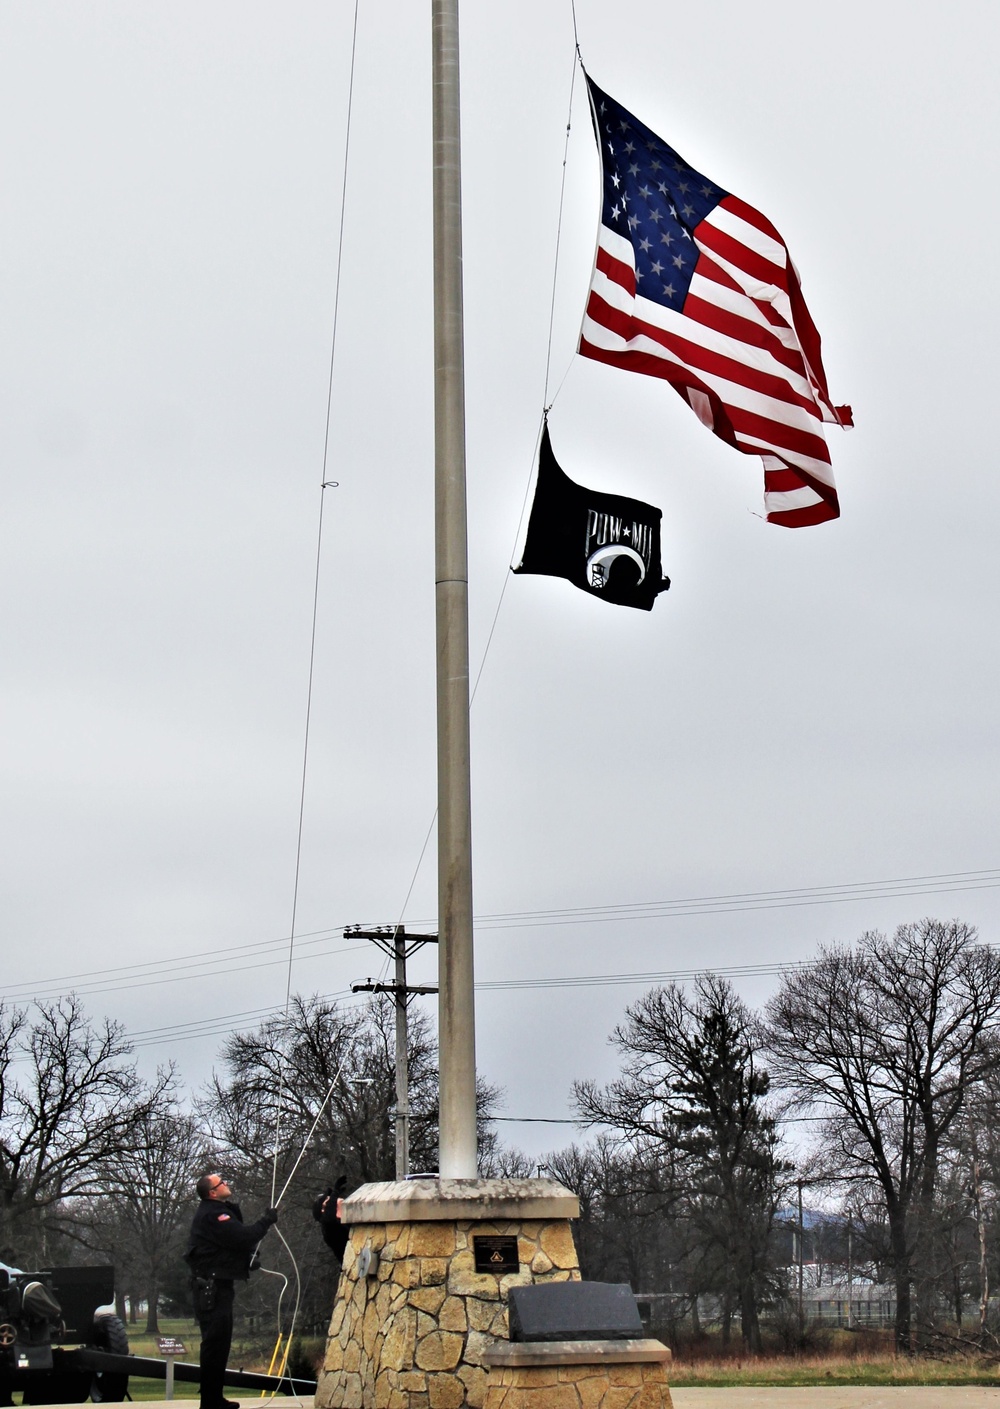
(603, 543)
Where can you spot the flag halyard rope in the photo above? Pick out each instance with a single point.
(325, 484)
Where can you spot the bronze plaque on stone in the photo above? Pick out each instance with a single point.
(496, 1254)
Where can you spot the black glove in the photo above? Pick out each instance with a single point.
(340, 1186)
(270, 1215)
(318, 1204)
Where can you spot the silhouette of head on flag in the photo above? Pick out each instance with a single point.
(605, 544)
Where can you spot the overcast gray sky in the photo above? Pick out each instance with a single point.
(805, 708)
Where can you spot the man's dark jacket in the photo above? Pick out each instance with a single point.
(221, 1244)
(335, 1235)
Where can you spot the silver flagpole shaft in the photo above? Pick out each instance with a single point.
(457, 1024)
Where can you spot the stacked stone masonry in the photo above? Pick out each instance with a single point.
(579, 1387)
(412, 1336)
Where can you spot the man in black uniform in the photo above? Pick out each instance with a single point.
(326, 1211)
(219, 1252)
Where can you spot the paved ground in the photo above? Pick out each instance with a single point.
(909, 1397)
(848, 1397)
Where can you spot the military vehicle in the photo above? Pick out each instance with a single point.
(40, 1314)
(61, 1343)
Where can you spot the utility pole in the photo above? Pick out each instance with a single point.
(394, 941)
(802, 1238)
(850, 1270)
(984, 1275)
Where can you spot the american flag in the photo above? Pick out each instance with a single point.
(693, 285)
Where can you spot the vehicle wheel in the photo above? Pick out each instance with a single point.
(109, 1333)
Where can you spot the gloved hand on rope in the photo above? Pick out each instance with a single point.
(321, 1202)
(269, 1216)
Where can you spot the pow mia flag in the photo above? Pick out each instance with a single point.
(603, 543)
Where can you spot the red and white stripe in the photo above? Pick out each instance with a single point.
(743, 352)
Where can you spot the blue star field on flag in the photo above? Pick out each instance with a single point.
(653, 198)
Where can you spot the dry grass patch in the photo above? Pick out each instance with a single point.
(833, 1370)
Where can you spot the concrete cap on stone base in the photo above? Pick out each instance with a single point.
(437, 1200)
(550, 1353)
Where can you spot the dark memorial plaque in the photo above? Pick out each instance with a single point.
(496, 1254)
(574, 1311)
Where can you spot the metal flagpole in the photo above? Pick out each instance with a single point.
(456, 1025)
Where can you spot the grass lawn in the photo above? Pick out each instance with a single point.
(181, 1328)
(248, 1353)
(153, 1389)
(832, 1370)
(140, 1343)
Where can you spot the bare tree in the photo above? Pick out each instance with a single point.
(328, 1061)
(337, 1064)
(149, 1193)
(626, 1230)
(499, 1161)
(887, 1039)
(973, 1179)
(69, 1101)
(693, 1090)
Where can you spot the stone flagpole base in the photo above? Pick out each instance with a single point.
(413, 1318)
(628, 1374)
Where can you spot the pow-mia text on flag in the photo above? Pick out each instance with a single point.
(606, 544)
(693, 285)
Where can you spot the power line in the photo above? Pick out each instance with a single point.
(219, 961)
(209, 1027)
(170, 963)
(195, 1022)
(195, 970)
(945, 883)
(536, 1119)
(653, 976)
(742, 902)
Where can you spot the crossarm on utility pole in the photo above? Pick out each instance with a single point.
(411, 988)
